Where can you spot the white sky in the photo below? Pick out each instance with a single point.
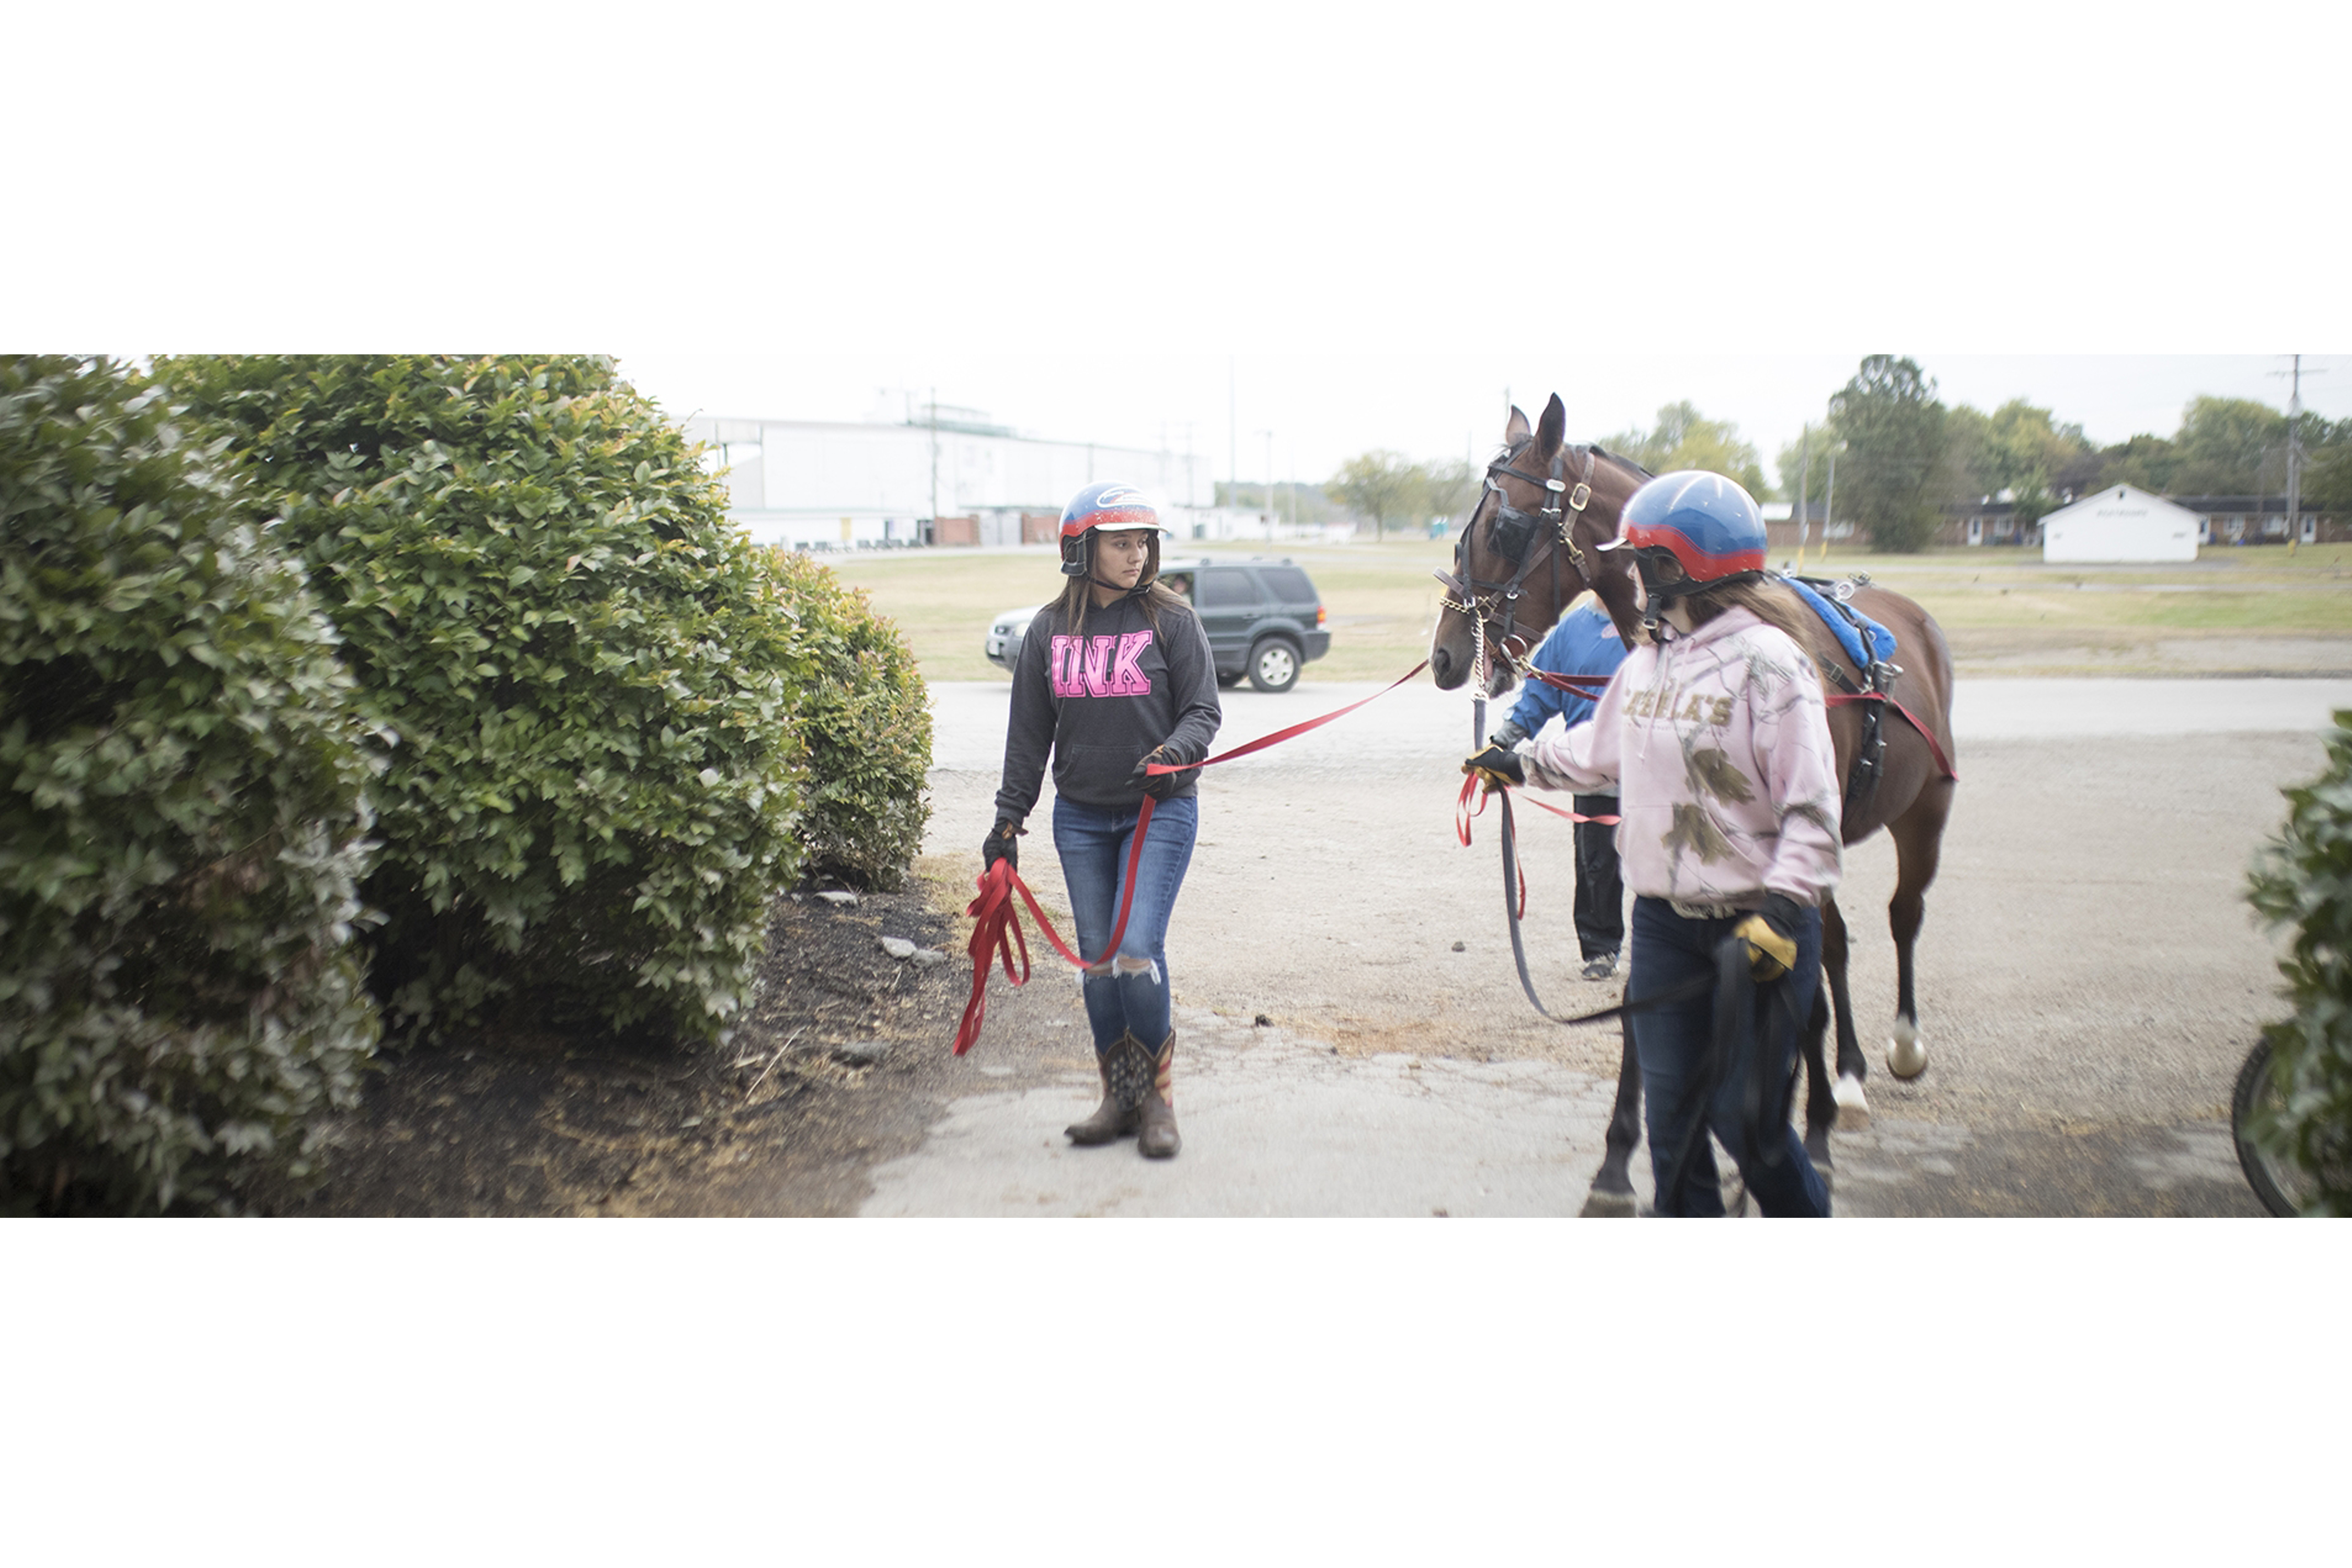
(1324, 409)
(1379, 218)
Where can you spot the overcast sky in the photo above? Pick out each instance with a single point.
(1083, 220)
(1323, 408)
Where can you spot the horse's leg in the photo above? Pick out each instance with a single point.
(1820, 1103)
(1853, 1108)
(1919, 849)
(1613, 1188)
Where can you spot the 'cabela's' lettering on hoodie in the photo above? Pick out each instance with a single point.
(1719, 745)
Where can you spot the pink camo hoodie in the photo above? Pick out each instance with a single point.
(1719, 745)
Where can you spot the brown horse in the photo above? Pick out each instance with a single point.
(1511, 580)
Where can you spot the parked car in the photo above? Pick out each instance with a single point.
(1264, 618)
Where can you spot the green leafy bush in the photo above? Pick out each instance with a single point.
(866, 716)
(2303, 878)
(181, 821)
(597, 779)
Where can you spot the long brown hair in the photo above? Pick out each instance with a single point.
(1770, 603)
(1077, 596)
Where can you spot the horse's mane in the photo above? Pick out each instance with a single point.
(1623, 461)
(1509, 450)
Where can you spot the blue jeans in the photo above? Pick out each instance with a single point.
(1673, 1044)
(1093, 843)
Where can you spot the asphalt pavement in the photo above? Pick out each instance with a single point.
(1351, 1038)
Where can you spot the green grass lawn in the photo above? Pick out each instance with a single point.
(1993, 604)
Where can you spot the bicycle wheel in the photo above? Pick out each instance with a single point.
(2280, 1183)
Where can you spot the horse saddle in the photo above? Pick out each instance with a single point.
(1871, 649)
(1865, 640)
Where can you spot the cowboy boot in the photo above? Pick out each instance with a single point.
(1159, 1138)
(1126, 1068)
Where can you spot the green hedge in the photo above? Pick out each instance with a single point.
(182, 823)
(596, 781)
(867, 715)
(2303, 879)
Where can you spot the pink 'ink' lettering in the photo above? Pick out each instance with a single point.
(1126, 677)
(1102, 666)
(1097, 666)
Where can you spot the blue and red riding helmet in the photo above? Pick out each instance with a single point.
(1707, 522)
(1111, 505)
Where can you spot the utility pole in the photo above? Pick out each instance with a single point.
(2294, 449)
(1233, 433)
(1828, 505)
(1265, 491)
(935, 462)
(1804, 488)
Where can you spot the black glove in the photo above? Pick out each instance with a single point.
(1159, 786)
(1507, 734)
(1002, 843)
(1770, 934)
(1497, 765)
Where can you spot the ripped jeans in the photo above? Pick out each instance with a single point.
(1093, 843)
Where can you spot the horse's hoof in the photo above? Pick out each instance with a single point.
(1907, 1053)
(1599, 1205)
(1853, 1107)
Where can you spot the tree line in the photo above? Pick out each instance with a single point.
(1905, 461)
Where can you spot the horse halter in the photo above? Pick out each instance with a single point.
(1512, 532)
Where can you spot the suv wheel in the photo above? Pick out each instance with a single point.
(1274, 665)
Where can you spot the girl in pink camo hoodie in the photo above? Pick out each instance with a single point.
(1717, 739)
(1719, 747)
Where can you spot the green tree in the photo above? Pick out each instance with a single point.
(1806, 461)
(1685, 438)
(2146, 460)
(1381, 485)
(2327, 481)
(2026, 449)
(1449, 489)
(1894, 432)
(2229, 445)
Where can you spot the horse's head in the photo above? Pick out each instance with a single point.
(1530, 546)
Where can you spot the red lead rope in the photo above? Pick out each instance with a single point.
(996, 929)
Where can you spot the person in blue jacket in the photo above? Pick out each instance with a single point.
(1583, 643)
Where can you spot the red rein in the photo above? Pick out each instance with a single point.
(996, 929)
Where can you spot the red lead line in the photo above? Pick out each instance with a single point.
(996, 929)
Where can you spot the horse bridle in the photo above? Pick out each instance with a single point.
(1513, 533)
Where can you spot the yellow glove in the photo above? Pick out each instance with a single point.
(1770, 934)
(1497, 765)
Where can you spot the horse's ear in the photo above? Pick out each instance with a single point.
(1551, 430)
(1516, 430)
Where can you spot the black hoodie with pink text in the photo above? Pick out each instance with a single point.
(1100, 699)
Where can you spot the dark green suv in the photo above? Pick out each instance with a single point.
(1264, 618)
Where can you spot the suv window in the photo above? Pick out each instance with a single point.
(1288, 584)
(1224, 590)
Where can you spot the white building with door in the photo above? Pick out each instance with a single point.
(2120, 523)
(815, 484)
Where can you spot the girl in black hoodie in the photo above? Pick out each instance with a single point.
(1114, 676)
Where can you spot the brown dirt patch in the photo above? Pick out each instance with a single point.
(842, 1060)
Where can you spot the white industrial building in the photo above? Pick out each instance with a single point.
(2119, 524)
(947, 477)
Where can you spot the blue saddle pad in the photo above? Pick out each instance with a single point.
(1881, 640)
